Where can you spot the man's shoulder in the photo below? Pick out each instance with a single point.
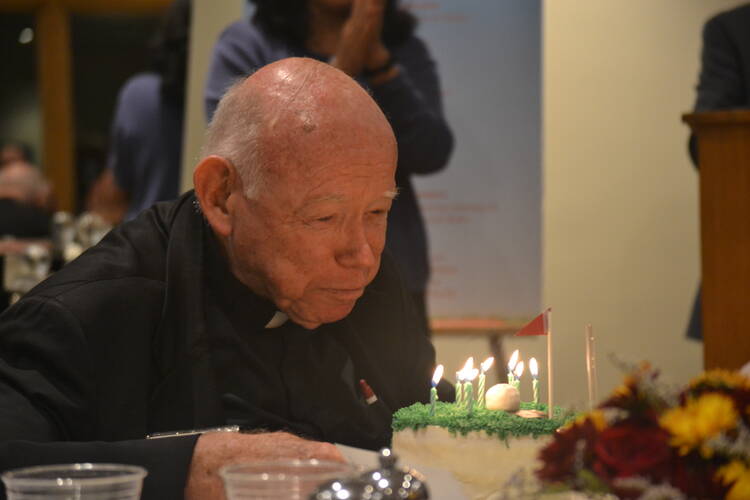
(140, 87)
(735, 20)
(129, 262)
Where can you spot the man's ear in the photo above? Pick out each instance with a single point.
(215, 180)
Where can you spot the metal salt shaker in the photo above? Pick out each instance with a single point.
(389, 482)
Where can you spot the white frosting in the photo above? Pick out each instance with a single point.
(482, 463)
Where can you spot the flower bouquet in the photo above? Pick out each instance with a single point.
(649, 443)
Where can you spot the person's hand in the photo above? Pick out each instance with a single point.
(360, 45)
(217, 449)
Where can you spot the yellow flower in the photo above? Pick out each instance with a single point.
(626, 388)
(722, 378)
(597, 418)
(737, 474)
(622, 391)
(700, 419)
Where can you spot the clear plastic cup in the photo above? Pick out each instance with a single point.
(280, 479)
(75, 482)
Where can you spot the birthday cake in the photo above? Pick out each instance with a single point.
(483, 450)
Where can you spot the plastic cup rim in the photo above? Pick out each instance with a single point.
(232, 472)
(14, 477)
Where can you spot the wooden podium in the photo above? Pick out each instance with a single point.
(724, 161)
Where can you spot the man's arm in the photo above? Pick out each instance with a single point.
(48, 402)
(167, 460)
(217, 449)
(49, 394)
(412, 102)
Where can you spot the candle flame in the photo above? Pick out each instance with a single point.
(519, 369)
(437, 375)
(471, 374)
(467, 370)
(487, 363)
(513, 360)
(533, 367)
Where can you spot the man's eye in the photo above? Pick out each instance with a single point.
(327, 218)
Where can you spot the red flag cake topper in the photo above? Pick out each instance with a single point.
(537, 326)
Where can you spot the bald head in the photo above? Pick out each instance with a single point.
(296, 184)
(262, 121)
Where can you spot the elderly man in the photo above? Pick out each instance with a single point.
(176, 320)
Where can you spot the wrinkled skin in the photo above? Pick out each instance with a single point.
(311, 239)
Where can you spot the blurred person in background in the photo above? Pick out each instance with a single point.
(145, 154)
(374, 42)
(13, 151)
(723, 83)
(25, 201)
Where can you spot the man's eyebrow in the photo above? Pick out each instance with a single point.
(391, 194)
(323, 199)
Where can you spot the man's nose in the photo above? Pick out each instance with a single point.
(356, 250)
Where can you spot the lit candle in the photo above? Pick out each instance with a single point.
(468, 366)
(512, 365)
(486, 364)
(469, 375)
(517, 379)
(433, 391)
(459, 388)
(534, 370)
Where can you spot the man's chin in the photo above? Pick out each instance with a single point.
(313, 320)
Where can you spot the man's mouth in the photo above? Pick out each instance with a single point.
(346, 293)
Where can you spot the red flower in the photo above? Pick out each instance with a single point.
(629, 449)
(696, 478)
(570, 448)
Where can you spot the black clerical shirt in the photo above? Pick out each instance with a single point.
(149, 332)
(286, 378)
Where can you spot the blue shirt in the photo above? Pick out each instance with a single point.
(145, 153)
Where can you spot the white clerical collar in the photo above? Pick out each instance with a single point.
(279, 318)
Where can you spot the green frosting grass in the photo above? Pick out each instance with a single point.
(493, 422)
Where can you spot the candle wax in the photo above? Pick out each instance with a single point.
(433, 399)
(480, 392)
(469, 397)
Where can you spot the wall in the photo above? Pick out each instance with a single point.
(620, 206)
(209, 20)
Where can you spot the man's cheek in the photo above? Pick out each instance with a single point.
(289, 281)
